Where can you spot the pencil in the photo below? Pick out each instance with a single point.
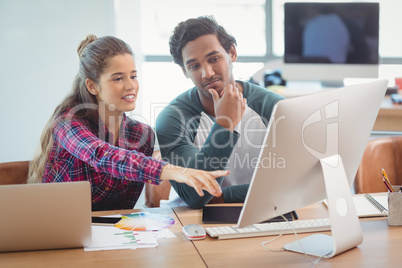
(384, 175)
(387, 184)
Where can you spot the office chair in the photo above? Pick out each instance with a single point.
(379, 153)
(155, 193)
(14, 172)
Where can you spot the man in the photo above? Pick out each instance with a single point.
(220, 123)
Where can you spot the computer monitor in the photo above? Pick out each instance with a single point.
(305, 133)
(328, 42)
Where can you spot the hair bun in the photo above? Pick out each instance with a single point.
(89, 39)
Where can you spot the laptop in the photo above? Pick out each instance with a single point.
(45, 216)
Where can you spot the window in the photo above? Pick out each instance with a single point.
(161, 80)
(245, 19)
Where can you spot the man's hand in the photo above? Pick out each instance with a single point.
(229, 107)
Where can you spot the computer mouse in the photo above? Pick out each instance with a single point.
(194, 232)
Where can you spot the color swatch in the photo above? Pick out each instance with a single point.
(144, 221)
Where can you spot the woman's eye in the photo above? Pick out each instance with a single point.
(134, 77)
(118, 79)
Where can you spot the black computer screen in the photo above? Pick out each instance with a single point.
(331, 33)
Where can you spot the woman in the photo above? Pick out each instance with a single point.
(89, 137)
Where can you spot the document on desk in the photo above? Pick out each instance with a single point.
(365, 208)
(111, 238)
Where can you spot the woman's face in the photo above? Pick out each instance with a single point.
(118, 86)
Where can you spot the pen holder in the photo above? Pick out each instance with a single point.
(395, 207)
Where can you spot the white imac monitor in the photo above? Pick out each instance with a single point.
(328, 42)
(304, 134)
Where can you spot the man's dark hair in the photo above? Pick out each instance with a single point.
(191, 29)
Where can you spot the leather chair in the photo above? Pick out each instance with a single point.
(14, 172)
(155, 193)
(379, 153)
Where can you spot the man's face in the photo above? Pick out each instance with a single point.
(207, 64)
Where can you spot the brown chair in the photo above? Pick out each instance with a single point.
(155, 193)
(14, 172)
(379, 153)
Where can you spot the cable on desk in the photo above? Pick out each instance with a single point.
(298, 239)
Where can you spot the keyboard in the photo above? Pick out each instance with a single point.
(271, 228)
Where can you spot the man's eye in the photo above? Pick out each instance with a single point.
(193, 67)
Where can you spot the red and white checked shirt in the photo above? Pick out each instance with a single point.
(116, 173)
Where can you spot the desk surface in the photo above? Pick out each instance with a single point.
(381, 248)
(171, 252)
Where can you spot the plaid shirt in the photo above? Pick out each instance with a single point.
(116, 173)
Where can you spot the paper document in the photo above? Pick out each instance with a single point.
(109, 238)
(364, 208)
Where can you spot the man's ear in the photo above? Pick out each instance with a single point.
(233, 53)
(184, 72)
(91, 86)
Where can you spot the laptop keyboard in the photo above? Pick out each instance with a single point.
(272, 228)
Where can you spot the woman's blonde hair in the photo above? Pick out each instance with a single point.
(94, 54)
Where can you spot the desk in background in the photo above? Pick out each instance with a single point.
(389, 117)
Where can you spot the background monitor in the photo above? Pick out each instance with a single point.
(328, 42)
(303, 131)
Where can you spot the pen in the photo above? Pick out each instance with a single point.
(386, 180)
(387, 184)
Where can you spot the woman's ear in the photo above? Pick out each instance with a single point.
(91, 86)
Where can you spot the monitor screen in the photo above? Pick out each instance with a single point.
(303, 131)
(331, 41)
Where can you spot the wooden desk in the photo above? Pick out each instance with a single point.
(171, 252)
(389, 117)
(381, 246)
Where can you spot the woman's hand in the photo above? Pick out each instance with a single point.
(198, 179)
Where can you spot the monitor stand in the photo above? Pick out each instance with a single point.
(345, 225)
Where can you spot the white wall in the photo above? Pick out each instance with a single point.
(38, 62)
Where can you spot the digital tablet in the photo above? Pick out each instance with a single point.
(230, 214)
